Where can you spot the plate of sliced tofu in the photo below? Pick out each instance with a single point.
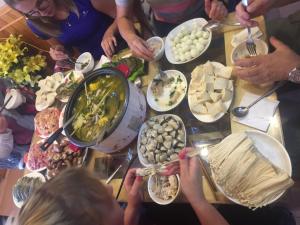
(210, 91)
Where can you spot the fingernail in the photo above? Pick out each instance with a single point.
(182, 154)
(139, 178)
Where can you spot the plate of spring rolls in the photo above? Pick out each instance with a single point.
(251, 168)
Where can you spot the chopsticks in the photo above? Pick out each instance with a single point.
(5, 104)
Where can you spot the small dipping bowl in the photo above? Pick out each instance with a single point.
(158, 200)
(241, 52)
(88, 63)
(156, 44)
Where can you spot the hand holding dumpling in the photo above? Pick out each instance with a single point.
(215, 9)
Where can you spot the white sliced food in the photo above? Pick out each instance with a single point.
(208, 69)
(210, 87)
(230, 85)
(212, 109)
(220, 83)
(44, 101)
(203, 97)
(215, 96)
(226, 95)
(199, 109)
(224, 72)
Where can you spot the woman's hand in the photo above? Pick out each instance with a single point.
(215, 9)
(139, 47)
(133, 186)
(109, 43)
(57, 53)
(268, 68)
(190, 177)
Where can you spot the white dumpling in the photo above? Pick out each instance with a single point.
(182, 57)
(177, 58)
(188, 55)
(205, 35)
(194, 52)
(199, 34)
(195, 42)
(200, 47)
(188, 42)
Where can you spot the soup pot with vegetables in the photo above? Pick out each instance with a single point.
(106, 110)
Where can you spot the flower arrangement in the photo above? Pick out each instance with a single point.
(17, 64)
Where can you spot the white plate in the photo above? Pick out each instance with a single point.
(142, 160)
(163, 107)
(34, 175)
(272, 150)
(189, 25)
(158, 200)
(209, 118)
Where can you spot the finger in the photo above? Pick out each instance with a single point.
(213, 10)
(249, 74)
(137, 184)
(278, 44)
(111, 47)
(107, 49)
(254, 7)
(171, 170)
(207, 6)
(129, 179)
(248, 62)
(115, 41)
(194, 165)
(144, 50)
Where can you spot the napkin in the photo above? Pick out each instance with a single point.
(260, 114)
(242, 36)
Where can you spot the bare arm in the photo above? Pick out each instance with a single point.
(108, 7)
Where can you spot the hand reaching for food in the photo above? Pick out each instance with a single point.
(109, 43)
(268, 68)
(191, 177)
(139, 47)
(215, 9)
(133, 185)
(57, 53)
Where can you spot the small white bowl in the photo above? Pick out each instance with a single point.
(159, 200)
(16, 100)
(85, 58)
(158, 42)
(241, 52)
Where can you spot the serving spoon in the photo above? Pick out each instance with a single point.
(242, 111)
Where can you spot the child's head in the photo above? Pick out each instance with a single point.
(74, 197)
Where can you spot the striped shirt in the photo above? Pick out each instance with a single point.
(173, 11)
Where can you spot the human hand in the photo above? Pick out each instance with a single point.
(254, 8)
(133, 186)
(3, 124)
(215, 9)
(191, 177)
(109, 43)
(57, 53)
(268, 68)
(139, 47)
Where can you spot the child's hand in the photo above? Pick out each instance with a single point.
(133, 186)
(215, 9)
(191, 177)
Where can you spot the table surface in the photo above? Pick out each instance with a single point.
(220, 51)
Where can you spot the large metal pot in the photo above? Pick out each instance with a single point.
(124, 128)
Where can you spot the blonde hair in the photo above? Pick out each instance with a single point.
(74, 197)
(46, 25)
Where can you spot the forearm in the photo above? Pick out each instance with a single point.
(207, 214)
(126, 27)
(113, 28)
(131, 215)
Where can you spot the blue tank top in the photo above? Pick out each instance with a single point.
(84, 32)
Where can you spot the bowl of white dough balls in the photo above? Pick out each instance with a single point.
(187, 41)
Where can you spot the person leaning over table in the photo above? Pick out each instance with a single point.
(167, 15)
(75, 197)
(86, 25)
(284, 62)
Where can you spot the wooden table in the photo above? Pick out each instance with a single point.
(241, 87)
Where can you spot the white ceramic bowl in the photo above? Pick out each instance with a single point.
(159, 52)
(142, 159)
(85, 58)
(16, 99)
(159, 200)
(241, 52)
